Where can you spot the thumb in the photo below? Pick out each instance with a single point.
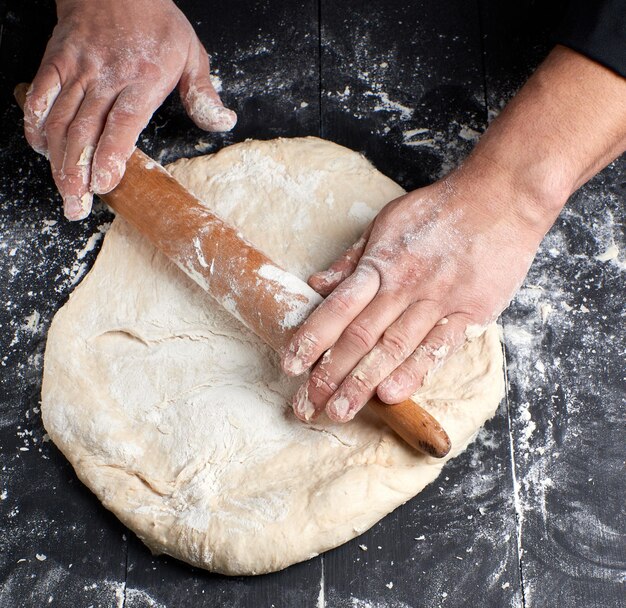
(200, 98)
(327, 280)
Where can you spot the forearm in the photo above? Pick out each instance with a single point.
(445, 258)
(566, 124)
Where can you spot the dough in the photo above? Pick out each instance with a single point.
(178, 418)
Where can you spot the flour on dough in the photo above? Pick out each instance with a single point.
(178, 418)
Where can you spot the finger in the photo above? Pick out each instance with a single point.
(397, 342)
(325, 281)
(440, 343)
(200, 98)
(40, 98)
(328, 321)
(127, 118)
(355, 342)
(56, 128)
(82, 137)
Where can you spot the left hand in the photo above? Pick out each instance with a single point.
(107, 67)
(435, 265)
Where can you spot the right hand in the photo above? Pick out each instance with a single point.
(108, 66)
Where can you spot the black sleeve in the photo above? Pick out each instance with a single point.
(597, 29)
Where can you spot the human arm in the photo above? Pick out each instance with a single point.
(444, 260)
(107, 67)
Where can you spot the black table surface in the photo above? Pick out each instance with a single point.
(533, 513)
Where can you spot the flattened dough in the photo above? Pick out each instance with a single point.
(178, 418)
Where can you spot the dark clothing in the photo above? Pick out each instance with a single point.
(597, 29)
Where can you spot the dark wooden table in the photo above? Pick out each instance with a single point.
(533, 513)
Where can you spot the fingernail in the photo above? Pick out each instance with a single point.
(389, 388)
(76, 208)
(212, 116)
(293, 364)
(339, 409)
(298, 354)
(302, 406)
(327, 277)
(101, 181)
(104, 175)
(221, 118)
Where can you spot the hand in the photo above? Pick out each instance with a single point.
(442, 262)
(435, 266)
(108, 66)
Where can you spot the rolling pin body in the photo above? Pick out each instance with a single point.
(268, 300)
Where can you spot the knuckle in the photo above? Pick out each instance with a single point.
(361, 382)
(360, 336)
(396, 343)
(123, 118)
(73, 172)
(338, 304)
(308, 341)
(342, 266)
(107, 151)
(322, 383)
(55, 125)
(148, 70)
(434, 345)
(133, 119)
(82, 125)
(431, 352)
(434, 306)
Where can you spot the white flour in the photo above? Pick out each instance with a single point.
(179, 420)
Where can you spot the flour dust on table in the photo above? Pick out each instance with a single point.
(178, 418)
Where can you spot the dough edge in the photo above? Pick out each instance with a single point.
(161, 534)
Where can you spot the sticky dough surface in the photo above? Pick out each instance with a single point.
(178, 418)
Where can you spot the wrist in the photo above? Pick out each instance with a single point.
(537, 185)
(530, 195)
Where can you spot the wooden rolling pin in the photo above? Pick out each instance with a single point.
(265, 298)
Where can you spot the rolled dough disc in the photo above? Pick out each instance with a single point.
(178, 418)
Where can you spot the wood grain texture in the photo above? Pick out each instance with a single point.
(452, 63)
(429, 548)
(565, 350)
